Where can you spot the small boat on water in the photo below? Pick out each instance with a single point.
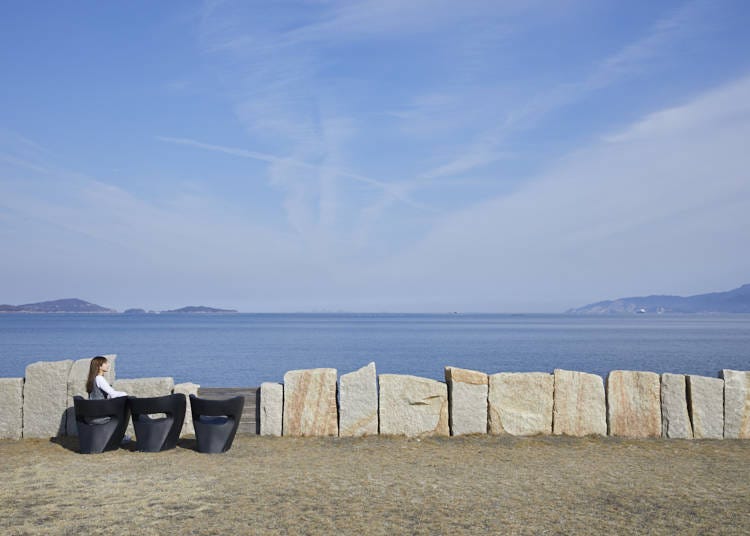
(641, 311)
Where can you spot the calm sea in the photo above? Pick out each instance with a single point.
(247, 349)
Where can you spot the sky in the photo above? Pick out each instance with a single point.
(373, 156)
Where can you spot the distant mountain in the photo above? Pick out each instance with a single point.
(134, 312)
(732, 301)
(200, 309)
(72, 305)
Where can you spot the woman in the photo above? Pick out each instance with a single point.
(97, 386)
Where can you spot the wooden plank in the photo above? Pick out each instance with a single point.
(250, 412)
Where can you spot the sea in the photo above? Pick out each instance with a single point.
(244, 350)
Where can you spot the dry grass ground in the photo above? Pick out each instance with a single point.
(476, 485)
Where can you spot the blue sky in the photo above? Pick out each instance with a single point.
(373, 155)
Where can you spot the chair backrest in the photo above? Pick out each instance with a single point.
(231, 407)
(90, 409)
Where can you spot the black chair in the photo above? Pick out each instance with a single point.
(101, 423)
(154, 434)
(216, 422)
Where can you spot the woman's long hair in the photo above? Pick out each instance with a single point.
(96, 363)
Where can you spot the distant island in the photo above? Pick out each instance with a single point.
(70, 305)
(732, 301)
(75, 305)
(200, 309)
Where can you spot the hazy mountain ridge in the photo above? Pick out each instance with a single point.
(75, 305)
(732, 301)
(199, 309)
(68, 305)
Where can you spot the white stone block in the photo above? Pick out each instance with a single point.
(187, 389)
(706, 403)
(310, 407)
(45, 398)
(634, 404)
(358, 402)
(413, 406)
(521, 403)
(736, 404)
(271, 409)
(11, 408)
(579, 405)
(675, 418)
(467, 396)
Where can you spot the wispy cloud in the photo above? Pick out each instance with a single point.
(393, 190)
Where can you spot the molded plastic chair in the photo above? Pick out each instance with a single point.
(101, 423)
(216, 422)
(154, 434)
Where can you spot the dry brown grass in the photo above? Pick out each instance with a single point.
(475, 485)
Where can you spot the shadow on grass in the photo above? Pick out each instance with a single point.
(72, 444)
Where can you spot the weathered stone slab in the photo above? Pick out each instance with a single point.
(521, 403)
(675, 419)
(271, 409)
(77, 377)
(11, 408)
(413, 406)
(45, 397)
(467, 394)
(144, 388)
(736, 404)
(579, 407)
(634, 404)
(310, 403)
(358, 402)
(706, 403)
(187, 389)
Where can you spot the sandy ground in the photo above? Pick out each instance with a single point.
(475, 485)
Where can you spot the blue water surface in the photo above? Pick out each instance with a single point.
(247, 349)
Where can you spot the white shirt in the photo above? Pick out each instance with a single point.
(103, 384)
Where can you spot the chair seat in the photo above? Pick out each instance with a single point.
(204, 419)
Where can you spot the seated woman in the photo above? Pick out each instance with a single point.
(98, 387)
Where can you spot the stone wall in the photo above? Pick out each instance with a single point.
(41, 404)
(316, 403)
(634, 404)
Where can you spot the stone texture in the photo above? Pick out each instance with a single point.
(271, 409)
(310, 403)
(706, 403)
(467, 394)
(521, 403)
(45, 397)
(736, 404)
(675, 419)
(11, 408)
(634, 404)
(187, 389)
(144, 388)
(579, 406)
(358, 402)
(413, 406)
(77, 377)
